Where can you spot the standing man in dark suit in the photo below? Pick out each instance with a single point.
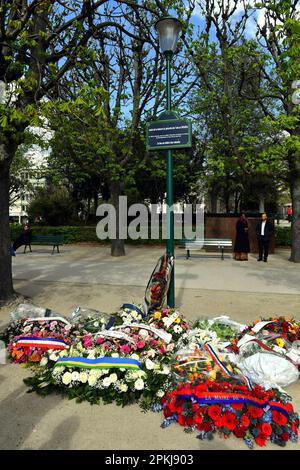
(264, 233)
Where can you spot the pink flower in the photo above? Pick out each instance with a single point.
(107, 347)
(125, 348)
(87, 341)
(162, 350)
(141, 344)
(99, 340)
(153, 342)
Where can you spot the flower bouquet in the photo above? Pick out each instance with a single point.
(273, 334)
(170, 320)
(29, 339)
(230, 409)
(92, 370)
(202, 363)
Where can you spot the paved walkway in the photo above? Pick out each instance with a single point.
(94, 265)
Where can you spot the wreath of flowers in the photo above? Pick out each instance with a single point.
(278, 334)
(230, 409)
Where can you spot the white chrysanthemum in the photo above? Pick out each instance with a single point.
(106, 382)
(58, 370)
(149, 364)
(53, 357)
(91, 355)
(115, 355)
(160, 393)
(96, 324)
(67, 377)
(75, 376)
(139, 384)
(44, 361)
(92, 380)
(63, 353)
(123, 388)
(135, 356)
(113, 378)
(83, 377)
(95, 373)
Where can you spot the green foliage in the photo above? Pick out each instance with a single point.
(55, 207)
(283, 236)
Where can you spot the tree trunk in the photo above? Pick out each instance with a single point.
(6, 284)
(117, 245)
(295, 192)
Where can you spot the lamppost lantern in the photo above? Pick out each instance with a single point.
(168, 29)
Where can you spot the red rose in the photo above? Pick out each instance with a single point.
(245, 421)
(229, 420)
(261, 440)
(285, 436)
(240, 431)
(266, 429)
(279, 418)
(214, 412)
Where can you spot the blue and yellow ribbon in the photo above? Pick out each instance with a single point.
(100, 363)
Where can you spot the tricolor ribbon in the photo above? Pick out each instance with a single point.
(39, 342)
(99, 363)
(223, 367)
(209, 398)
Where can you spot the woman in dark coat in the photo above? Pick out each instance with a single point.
(241, 246)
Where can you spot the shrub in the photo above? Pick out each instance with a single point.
(283, 236)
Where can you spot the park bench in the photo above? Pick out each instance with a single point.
(48, 240)
(199, 243)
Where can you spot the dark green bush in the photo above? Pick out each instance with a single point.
(283, 236)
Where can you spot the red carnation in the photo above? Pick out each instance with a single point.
(167, 412)
(255, 412)
(261, 440)
(229, 420)
(189, 421)
(206, 427)
(245, 421)
(279, 418)
(181, 420)
(198, 419)
(285, 436)
(295, 429)
(237, 406)
(266, 429)
(214, 412)
(240, 431)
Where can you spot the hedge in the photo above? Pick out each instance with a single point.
(73, 234)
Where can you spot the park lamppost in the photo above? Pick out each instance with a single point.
(168, 29)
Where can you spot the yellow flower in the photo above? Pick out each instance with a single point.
(212, 374)
(157, 315)
(178, 320)
(280, 342)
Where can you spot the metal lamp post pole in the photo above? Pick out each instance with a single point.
(170, 191)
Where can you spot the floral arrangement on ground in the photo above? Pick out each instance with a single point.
(227, 408)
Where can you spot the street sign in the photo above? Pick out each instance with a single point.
(167, 134)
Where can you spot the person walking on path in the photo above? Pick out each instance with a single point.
(289, 214)
(241, 246)
(23, 239)
(264, 233)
